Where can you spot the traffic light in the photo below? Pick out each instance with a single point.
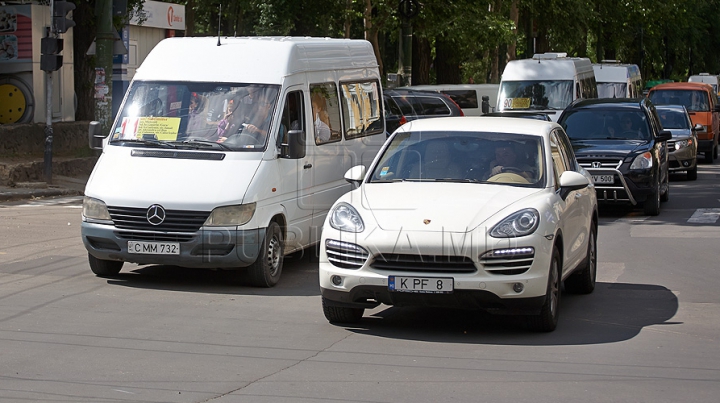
(60, 21)
(50, 59)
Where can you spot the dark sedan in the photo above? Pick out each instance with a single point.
(402, 106)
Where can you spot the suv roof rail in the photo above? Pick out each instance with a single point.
(610, 61)
(549, 55)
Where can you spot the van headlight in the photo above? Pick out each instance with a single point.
(230, 215)
(344, 217)
(95, 209)
(642, 161)
(521, 223)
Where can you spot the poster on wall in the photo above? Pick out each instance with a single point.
(15, 34)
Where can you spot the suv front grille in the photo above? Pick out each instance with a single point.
(424, 263)
(599, 162)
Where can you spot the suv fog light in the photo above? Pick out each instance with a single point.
(518, 287)
(336, 280)
(686, 163)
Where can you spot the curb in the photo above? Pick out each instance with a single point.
(15, 194)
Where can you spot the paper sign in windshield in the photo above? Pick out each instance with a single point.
(163, 128)
(516, 103)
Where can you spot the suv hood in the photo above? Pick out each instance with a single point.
(584, 147)
(450, 207)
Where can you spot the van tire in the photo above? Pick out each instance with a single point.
(341, 314)
(104, 268)
(266, 270)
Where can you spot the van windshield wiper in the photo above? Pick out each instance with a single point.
(147, 142)
(197, 143)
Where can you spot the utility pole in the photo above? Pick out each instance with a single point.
(104, 64)
(51, 60)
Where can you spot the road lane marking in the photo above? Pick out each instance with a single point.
(705, 216)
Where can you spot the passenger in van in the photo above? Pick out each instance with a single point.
(699, 102)
(321, 118)
(197, 125)
(508, 159)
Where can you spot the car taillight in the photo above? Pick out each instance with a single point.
(455, 103)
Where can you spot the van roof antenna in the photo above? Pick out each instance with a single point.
(219, 16)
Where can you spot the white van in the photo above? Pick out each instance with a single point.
(547, 83)
(228, 153)
(469, 97)
(617, 80)
(706, 78)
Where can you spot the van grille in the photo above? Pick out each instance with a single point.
(130, 218)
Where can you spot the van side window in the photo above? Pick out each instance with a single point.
(292, 116)
(362, 114)
(325, 112)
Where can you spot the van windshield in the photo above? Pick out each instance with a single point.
(540, 95)
(231, 117)
(694, 101)
(612, 90)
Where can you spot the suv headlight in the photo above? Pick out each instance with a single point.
(344, 217)
(683, 143)
(230, 215)
(521, 223)
(642, 161)
(95, 209)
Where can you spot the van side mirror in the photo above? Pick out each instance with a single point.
(485, 107)
(295, 147)
(664, 135)
(95, 136)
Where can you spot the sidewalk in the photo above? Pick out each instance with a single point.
(61, 186)
(23, 180)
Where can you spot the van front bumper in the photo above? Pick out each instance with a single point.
(207, 248)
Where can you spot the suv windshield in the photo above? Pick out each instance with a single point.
(535, 95)
(611, 124)
(196, 115)
(462, 157)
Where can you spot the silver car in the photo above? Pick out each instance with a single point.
(682, 148)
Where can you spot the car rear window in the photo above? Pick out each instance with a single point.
(464, 98)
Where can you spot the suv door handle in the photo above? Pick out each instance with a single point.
(307, 166)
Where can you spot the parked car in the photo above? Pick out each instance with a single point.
(525, 115)
(620, 141)
(701, 102)
(474, 212)
(683, 146)
(469, 97)
(402, 106)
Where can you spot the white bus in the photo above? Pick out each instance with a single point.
(617, 80)
(227, 153)
(547, 83)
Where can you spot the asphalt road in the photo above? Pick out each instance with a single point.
(649, 333)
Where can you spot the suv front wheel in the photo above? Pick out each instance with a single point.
(652, 203)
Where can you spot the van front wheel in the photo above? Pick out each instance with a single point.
(266, 270)
(104, 268)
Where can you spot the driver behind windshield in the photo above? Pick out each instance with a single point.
(508, 160)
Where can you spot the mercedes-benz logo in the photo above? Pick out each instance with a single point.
(155, 214)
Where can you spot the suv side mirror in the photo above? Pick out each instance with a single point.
(698, 127)
(570, 181)
(664, 135)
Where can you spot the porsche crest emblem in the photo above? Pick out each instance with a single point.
(426, 221)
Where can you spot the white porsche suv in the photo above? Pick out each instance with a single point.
(469, 212)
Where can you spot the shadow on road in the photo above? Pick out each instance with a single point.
(299, 278)
(614, 312)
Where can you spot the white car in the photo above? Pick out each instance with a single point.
(443, 217)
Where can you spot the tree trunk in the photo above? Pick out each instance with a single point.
(84, 64)
(447, 65)
(190, 18)
(515, 18)
(420, 61)
(371, 33)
